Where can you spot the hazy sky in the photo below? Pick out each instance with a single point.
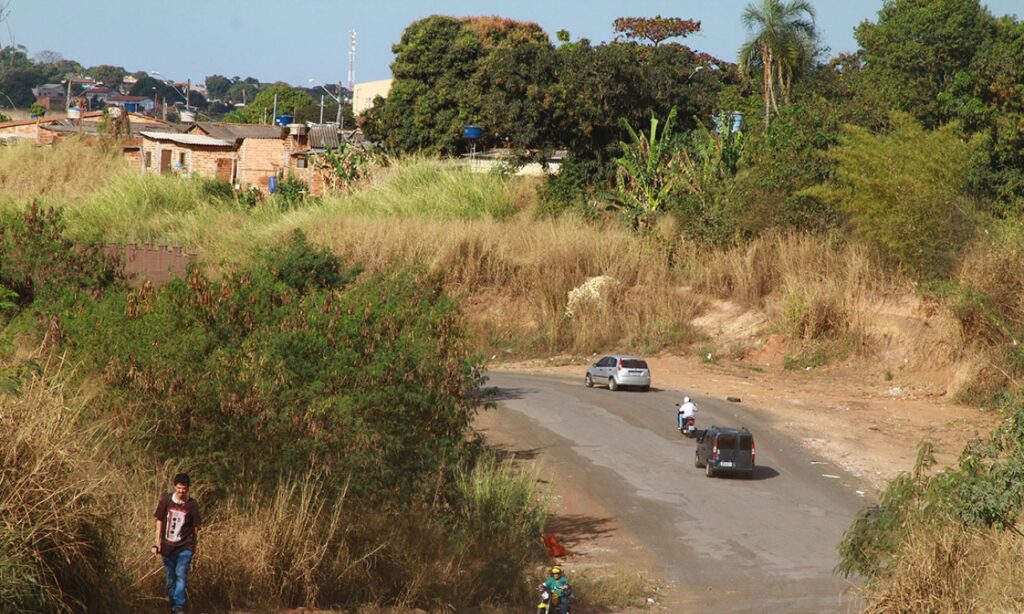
(295, 40)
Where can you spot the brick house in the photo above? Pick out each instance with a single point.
(242, 154)
(99, 95)
(49, 130)
(302, 162)
(261, 150)
(51, 96)
(166, 153)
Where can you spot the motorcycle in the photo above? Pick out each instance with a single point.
(689, 427)
(549, 602)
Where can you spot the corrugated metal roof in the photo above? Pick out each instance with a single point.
(93, 127)
(322, 137)
(240, 131)
(187, 139)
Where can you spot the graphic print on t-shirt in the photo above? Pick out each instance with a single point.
(173, 525)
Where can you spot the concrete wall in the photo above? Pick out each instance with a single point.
(364, 93)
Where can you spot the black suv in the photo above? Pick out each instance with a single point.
(723, 449)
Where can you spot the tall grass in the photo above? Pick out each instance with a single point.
(816, 293)
(425, 188)
(64, 173)
(75, 527)
(56, 531)
(947, 569)
(288, 548)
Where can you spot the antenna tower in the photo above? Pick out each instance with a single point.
(351, 59)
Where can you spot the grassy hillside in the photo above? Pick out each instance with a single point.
(524, 284)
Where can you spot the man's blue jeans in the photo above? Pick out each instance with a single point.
(176, 567)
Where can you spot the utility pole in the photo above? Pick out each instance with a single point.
(339, 118)
(321, 109)
(351, 59)
(351, 72)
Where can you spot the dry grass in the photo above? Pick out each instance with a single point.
(816, 293)
(64, 173)
(289, 549)
(55, 522)
(948, 569)
(611, 589)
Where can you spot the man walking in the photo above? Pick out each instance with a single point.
(177, 519)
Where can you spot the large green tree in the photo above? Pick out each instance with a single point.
(915, 50)
(108, 75)
(782, 44)
(426, 107)
(217, 86)
(280, 96)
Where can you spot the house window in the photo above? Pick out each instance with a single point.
(300, 163)
(181, 159)
(149, 159)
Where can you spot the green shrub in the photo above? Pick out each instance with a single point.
(373, 381)
(784, 159)
(985, 490)
(38, 262)
(214, 188)
(302, 266)
(906, 192)
(291, 191)
(569, 188)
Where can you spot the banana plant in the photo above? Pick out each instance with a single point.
(646, 177)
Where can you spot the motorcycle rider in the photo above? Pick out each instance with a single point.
(559, 585)
(686, 410)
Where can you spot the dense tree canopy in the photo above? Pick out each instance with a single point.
(283, 97)
(526, 93)
(916, 48)
(655, 29)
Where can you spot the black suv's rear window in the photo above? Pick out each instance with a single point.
(632, 363)
(746, 442)
(727, 441)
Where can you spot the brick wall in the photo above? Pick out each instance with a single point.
(27, 131)
(198, 159)
(156, 263)
(258, 159)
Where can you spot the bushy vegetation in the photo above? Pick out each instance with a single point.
(945, 541)
(299, 396)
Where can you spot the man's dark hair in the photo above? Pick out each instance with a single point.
(181, 478)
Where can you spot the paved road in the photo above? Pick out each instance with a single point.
(761, 545)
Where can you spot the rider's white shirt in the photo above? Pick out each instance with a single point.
(688, 409)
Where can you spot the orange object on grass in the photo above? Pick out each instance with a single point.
(555, 549)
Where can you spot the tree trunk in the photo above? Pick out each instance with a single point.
(766, 61)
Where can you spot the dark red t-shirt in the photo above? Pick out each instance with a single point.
(179, 522)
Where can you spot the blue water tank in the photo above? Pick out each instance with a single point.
(283, 120)
(272, 184)
(472, 132)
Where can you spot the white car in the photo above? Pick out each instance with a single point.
(619, 371)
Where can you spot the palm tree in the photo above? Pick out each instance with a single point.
(781, 43)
